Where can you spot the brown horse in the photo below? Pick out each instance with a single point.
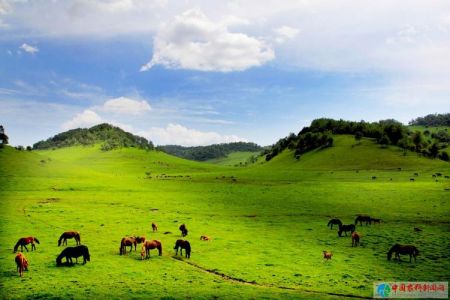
(130, 241)
(183, 230)
(403, 249)
(327, 255)
(148, 245)
(355, 239)
(23, 242)
(22, 263)
(69, 235)
(205, 238)
(183, 244)
(154, 227)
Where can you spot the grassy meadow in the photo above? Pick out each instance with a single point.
(267, 222)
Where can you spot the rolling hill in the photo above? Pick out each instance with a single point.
(267, 221)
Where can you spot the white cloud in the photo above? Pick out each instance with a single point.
(285, 33)
(85, 119)
(29, 49)
(180, 135)
(192, 41)
(124, 105)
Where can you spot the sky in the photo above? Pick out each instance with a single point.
(205, 72)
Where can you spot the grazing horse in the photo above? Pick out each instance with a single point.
(403, 249)
(345, 229)
(22, 263)
(363, 218)
(327, 255)
(148, 245)
(183, 230)
(76, 252)
(130, 241)
(355, 239)
(183, 244)
(69, 235)
(23, 242)
(375, 221)
(205, 238)
(154, 227)
(334, 222)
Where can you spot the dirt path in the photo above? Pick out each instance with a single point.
(254, 283)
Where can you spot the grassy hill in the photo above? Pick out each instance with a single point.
(268, 221)
(238, 158)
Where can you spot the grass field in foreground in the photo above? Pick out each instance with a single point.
(267, 221)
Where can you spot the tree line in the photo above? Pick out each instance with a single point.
(109, 136)
(203, 153)
(385, 132)
(432, 120)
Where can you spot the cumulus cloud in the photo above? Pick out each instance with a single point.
(85, 119)
(29, 49)
(180, 135)
(285, 33)
(192, 41)
(124, 105)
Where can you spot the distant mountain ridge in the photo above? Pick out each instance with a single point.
(203, 153)
(109, 136)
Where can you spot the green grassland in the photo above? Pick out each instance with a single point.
(237, 158)
(267, 222)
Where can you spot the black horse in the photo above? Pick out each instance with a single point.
(75, 252)
(345, 229)
(334, 222)
(403, 249)
(183, 230)
(183, 244)
(363, 218)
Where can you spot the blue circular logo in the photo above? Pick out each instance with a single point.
(384, 290)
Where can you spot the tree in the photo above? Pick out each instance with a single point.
(3, 137)
(444, 156)
(358, 136)
(418, 140)
(434, 150)
(384, 140)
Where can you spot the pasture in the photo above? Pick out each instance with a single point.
(268, 222)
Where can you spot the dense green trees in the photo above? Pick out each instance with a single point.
(432, 120)
(111, 137)
(202, 153)
(3, 137)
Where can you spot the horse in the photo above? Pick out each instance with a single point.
(327, 255)
(148, 245)
(22, 263)
(375, 221)
(76, 252)
(334, 222)
(363, 218)
(23, 242)
(183, 230)
(403, 249)
(69, 235)
(183, 244)
(154, 227)
(345, 229)
(130, 241)
(355, 239)
(205, 238)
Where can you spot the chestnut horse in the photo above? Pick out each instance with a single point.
(205, 238)
(23, 242)
(154, 227)
(148, 245)
(22, 263)
(327, 255)
(355, 239)
(69, 235)
(130, 241)
(183, 244)
(403, 249)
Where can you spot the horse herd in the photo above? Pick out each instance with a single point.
(81, 250)
(398, 249)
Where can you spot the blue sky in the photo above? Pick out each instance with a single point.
(202, 72)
